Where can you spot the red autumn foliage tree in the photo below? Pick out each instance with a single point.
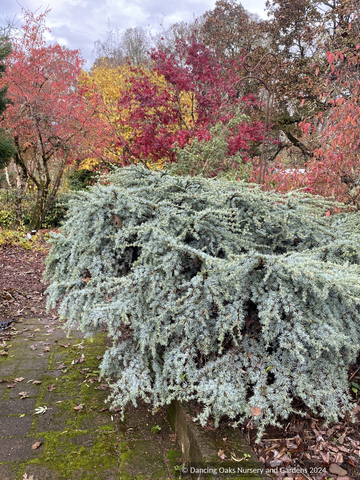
(160, 116)
(153, 115)
(47, 118)
(334, 171)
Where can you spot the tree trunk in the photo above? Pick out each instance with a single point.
(46, 195)
(20, 191)
(7, 177)
(304, 150)
(18, 210)
(38, 213)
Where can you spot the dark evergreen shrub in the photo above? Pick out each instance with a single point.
(80, 179)
(213, 290)
(56, 212)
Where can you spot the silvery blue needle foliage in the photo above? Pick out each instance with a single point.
(214, 291)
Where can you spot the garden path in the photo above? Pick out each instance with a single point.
(54, 422)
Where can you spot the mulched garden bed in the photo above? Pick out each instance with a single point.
(305, 448)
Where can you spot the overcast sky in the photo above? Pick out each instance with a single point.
(78, 23)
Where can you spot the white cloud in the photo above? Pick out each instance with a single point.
(79, 23)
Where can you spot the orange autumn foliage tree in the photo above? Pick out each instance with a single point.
(48, 117)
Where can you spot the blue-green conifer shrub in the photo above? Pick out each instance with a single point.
(214, 291)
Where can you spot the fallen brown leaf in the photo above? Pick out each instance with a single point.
(46, 349)
(79, 407)
(33, 347)
(103, 386)
(116, 220)
(11, 385)
(61, 366)
(356, 410)
(25, 477)
(23, 395)
(337, 470)
(255, 411)
(351, 461)
(36, 382)
(339, 458)
(36, 445)
(221, 454)
(51, 387)
(20, 379)
(325, 457)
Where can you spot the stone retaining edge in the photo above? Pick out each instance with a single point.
(200, 449)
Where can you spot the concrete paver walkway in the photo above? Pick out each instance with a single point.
(54, 423)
